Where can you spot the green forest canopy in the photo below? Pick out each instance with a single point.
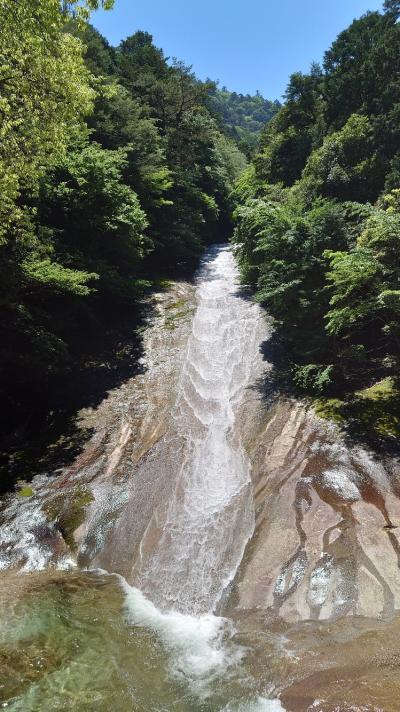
(318, 221)
(117, 167)
(243, 116)
(114, 172)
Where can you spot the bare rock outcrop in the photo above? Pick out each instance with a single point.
(326, 542)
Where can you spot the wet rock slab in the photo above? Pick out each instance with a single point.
(67, 518)
(327, 537)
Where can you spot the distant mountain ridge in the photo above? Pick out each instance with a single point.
(243, 115)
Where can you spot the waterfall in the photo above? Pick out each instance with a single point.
(196, 538)
(172, 532)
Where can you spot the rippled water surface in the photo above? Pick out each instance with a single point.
(209, 516)
(88, 642)
(91, 642)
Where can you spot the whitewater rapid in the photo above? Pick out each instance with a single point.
(196, 535)
(196, 539)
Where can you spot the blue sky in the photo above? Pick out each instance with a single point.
(245, 45)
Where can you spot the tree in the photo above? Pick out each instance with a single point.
(100, 57)
(45, 93)
(141, 65)
(361, 69)
(392, 7)
(288, 139)
(95, 219)
(365, 301)
(241, 116)
(346, 166)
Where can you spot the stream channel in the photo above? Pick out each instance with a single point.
(234, 553)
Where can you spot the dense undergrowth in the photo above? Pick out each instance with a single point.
(318, 227)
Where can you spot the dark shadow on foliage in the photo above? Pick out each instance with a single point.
(38, 423)
(372, 422)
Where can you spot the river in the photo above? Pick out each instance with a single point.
(181, 596)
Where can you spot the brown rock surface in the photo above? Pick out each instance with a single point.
(326, 542)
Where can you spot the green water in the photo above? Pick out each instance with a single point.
(89, 643)
(69, 642)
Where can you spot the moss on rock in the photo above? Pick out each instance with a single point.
(372, 413)
(330, 409)
(68, 510)
(25, 491)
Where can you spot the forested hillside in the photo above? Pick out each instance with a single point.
(243, 115)
(114, 174)
(117, 168)
(318, 228)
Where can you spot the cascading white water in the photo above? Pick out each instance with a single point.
(185, 515)
(173, 524)
(203, 528)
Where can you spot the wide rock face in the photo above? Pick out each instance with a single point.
(71, 512)
(326, 542)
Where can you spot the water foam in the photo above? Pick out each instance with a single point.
(261, 704)
(195, 542)
(199, 646)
